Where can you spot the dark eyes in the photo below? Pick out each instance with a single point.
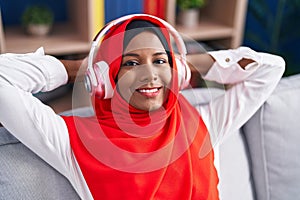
(160, 61)
(130, 63)
(135, 63)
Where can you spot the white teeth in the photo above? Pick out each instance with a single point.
(148, 90)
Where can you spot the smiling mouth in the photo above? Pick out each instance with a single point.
(149, 92)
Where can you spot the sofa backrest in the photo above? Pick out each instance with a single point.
(273, 137)
(23, 175)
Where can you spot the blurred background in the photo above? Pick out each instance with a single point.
(268, 25)
(274, 26)
(264, 25)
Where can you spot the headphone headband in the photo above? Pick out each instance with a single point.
(108, 26)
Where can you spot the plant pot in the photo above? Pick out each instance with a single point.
(38, 29)
(189, 18)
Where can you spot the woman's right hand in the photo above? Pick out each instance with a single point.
(76, 69)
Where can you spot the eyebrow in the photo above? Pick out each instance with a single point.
(137, 55)
(160, 53)
(131, 54)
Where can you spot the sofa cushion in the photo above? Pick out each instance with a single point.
(273, 136)
(23, 175)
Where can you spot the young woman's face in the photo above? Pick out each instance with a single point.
(145, 73)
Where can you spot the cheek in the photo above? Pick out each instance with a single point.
(166, 76)
(124, 84)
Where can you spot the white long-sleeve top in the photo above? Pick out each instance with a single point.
(44, 132)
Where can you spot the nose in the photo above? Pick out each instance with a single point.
(148, 73)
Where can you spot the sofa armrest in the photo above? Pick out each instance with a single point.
(273, 137)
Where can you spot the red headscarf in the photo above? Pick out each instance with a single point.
(126, 153)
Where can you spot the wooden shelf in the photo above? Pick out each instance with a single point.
(206, 30)
(62, 40)
(221, 21)
(72, 37)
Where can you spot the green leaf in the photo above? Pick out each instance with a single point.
(37, 15)
(189, 4)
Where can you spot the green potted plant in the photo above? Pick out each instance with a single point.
(189, 11)
(37, 20)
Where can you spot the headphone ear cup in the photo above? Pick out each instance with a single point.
(184, 73)
(103, 89)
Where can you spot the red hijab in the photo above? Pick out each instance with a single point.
(126, 153)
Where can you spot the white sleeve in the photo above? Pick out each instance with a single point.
(250, 88)
(33, 123)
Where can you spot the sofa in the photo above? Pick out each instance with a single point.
(260, 161)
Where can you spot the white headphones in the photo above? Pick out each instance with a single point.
(97, 81)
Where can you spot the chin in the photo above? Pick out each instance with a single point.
(149, 108)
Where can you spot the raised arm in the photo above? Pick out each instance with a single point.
(205, 61)
(33, 123)
(253, 77)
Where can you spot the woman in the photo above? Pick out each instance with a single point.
(145, 141)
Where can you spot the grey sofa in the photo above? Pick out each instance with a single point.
(23, 175)
(260, 161)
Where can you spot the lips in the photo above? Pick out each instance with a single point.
(149, 92)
